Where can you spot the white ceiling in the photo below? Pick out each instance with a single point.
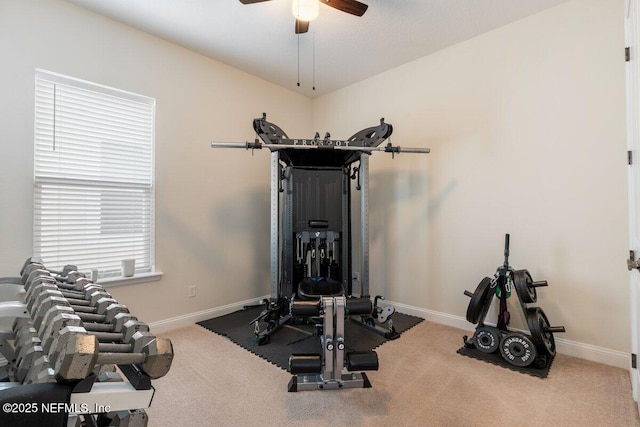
(259, 38)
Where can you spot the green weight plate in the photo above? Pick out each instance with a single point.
(487, 339)
(523, 283)
(481, 297)
(541, 336)
(518, 349)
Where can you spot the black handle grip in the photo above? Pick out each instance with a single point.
(555, 329)
(506, 250)
(318, 223)
(469, 294)
(539, 284)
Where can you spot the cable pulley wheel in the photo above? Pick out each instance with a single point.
(524, 286)
(487, 339)
(540, 334)
(518, 349)
(480, 298)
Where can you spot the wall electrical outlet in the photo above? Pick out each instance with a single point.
(192, 291)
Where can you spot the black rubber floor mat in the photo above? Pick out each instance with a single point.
(540, 370)
(296, 338)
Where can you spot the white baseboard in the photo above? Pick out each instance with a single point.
(594, 353)
(434, 316)
(183, 321)
(563, 346)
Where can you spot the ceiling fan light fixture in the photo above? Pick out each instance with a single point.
(305, 10)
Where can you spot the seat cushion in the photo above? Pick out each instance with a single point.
(314, 287)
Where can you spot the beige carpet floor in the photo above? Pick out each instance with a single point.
(422, 381)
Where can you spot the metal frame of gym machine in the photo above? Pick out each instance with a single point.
(290, 158)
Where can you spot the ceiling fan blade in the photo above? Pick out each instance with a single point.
(353, 7)
(251, 1)
(302, 26)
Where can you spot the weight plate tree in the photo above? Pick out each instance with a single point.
(519, 349)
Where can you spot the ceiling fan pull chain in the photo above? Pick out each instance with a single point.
(298, 60)
(314, 61)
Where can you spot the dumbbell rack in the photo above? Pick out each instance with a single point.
(533, 350)
(74, 354)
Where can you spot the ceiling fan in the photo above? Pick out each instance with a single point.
(307, 10)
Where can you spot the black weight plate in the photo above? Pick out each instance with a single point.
(487, 339)
(523, 283)
(540, 334)
(480, 298)
(518, 349)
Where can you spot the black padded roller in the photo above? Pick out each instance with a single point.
(318, 223)
(305, 308)
(305, 364)
(362, 361)
(359, 306)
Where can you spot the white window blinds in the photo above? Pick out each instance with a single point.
(93, 167)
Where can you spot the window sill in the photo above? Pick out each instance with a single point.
(138, 278)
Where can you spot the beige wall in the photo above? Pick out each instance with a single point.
(527, 130)
(211, 205)
(526, 124)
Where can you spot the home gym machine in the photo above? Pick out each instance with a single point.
(311, 249)
(520, 350)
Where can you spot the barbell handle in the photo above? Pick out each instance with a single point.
(246, 145)
(539, 284)
(276, 147)
(555, 329)
(413, 150)
(469, 294)
(387, 149)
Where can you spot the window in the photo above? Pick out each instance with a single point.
(93, 176)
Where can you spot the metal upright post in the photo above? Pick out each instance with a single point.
(275, 213)
(286, 235)
(347, 247)
(329, 346)
(364, 224)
